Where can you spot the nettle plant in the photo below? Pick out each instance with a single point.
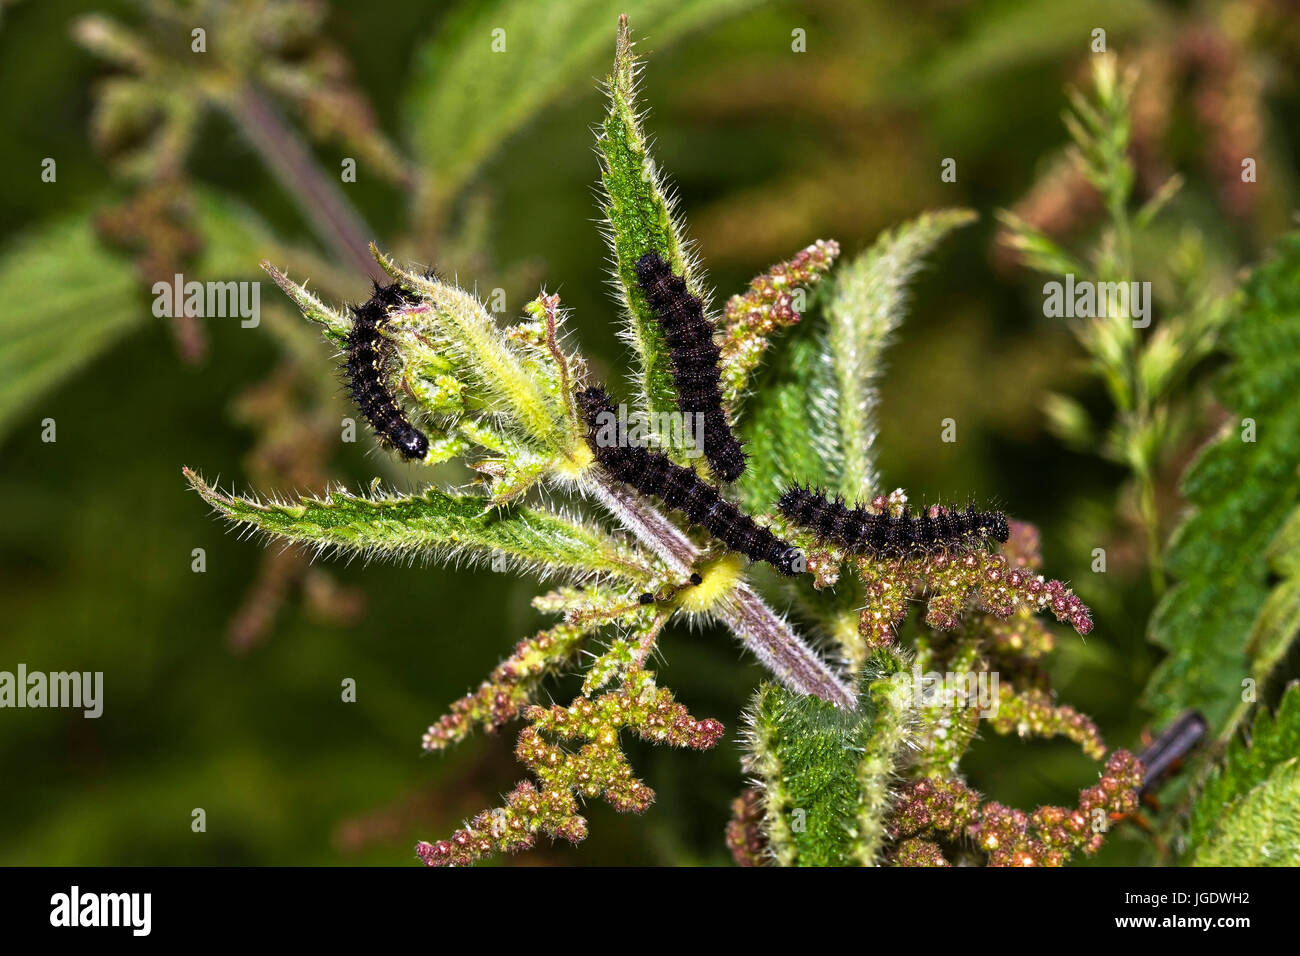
(855, 759)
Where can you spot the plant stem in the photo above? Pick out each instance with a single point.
(767, 635)
(649, 526)
(770, 638)
(1151, 518)
(335, 220)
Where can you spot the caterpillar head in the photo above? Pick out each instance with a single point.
(411, 443)
(790, 562)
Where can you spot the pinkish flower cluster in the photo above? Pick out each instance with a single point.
(1047, 837)
(1033, 713)
(596, 769)
(767, 305)
(510, 687)
(1020, 638)
(745, 837)
(952, 583)
(917, 852)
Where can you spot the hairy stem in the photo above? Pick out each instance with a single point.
(768, 636)
(335, 220)
(649, 526)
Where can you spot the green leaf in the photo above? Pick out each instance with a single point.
(67, 300)
(1243, 491)
(1278, 621)
(466, 100)
(1249, 811)
(434, 525)
(867, 305)
(1262, 828)
(826, 772)
(791, 435)
(813, 417)
(640, 219)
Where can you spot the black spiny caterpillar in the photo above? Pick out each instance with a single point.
(364, 370)
(864, 532)
(695, 358)
(651, 473)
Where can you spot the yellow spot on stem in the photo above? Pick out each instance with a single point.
(719, 579)
(575, 462)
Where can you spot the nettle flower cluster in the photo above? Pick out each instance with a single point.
(851, 763)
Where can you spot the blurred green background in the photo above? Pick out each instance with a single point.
(769, 150)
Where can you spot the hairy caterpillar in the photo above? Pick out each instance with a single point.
(864, 532)
(364, 370)
(695, 357)
(654, 474)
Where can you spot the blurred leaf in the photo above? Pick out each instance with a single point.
(1275, 629)
(1284, 552)
(66, 301)
(1262, 828)
(1150, 209)
(1249, 812)
(1038, 250)
(1278, 622)
(1009, 34)
(1243, 490)
(236, 242)
(237, 239)
(1069, 421)
(433, 525)
(466, 100)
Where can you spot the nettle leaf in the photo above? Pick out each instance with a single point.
(1263, 827)
(1243, 486)
(438, 526)
(1278, 621)
(474, 86)
(826, 772)
(791, 434)
(814, 417)
(1248, 814)
(52, 326)
(639, 219)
